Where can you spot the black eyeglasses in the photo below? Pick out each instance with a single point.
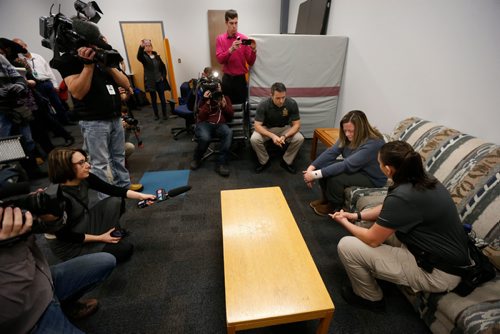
(81, 162)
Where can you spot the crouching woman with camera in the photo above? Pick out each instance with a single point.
(88, 229)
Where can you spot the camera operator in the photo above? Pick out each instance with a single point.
(214, 111)
(97, 105)
(130, 126)
(36, 298)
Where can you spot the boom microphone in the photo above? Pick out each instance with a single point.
(90, 32)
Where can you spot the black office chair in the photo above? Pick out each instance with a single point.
(251, 110)
(185, 109)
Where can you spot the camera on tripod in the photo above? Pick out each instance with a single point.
(62, 34)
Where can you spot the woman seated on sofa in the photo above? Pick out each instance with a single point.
(358, 144)
(424, 218)
(88, 230)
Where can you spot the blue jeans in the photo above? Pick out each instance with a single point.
(7, 127)
(72, 279)
(104, 140)
(204, 133)
(46, 88)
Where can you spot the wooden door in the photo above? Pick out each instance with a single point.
(216, 26)
(133, 33)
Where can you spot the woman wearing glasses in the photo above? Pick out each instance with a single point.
(88, 229)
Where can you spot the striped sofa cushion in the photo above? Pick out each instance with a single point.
(467, 166)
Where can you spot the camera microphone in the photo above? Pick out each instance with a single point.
(177, 191)
(162, 195)
(90, 32)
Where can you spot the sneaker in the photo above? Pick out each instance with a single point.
(289, 168)
(136, 187)
(222, 170)
(79, 310)
(351, 298)
(317, 202)
(260, 168)
(195, 164)
(157, 118)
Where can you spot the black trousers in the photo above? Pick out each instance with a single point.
(235, 87)
(333, 187)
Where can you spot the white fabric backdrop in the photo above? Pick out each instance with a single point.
(311, 68)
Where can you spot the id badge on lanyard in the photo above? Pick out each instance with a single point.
(111, 89)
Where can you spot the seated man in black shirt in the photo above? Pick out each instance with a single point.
(277, 119)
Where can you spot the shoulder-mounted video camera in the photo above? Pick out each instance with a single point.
(66, 35)
(211, 84)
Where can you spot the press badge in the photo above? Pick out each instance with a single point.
(285, 112)
(111, 89)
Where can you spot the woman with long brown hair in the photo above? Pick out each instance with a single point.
(358, 144)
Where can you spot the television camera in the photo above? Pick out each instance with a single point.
(66, 35)
(211, 83)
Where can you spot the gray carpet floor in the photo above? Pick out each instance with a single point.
(174, 282)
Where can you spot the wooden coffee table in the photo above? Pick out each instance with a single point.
(270, 277)
(327, 136)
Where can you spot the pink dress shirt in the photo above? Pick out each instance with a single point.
(234, 63)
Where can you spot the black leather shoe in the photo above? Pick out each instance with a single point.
(351, 298)
(289, 168)
(260, 168)
(222, 170)
(195, 164)
(80, 309)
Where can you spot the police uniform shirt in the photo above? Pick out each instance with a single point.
(273, 116)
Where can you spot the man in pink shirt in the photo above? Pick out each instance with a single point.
(234, 52)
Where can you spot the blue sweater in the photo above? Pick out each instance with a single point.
(360, 160)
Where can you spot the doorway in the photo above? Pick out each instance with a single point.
(133, 33)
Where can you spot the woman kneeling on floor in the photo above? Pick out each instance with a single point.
(88, 229)
(419, 210)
